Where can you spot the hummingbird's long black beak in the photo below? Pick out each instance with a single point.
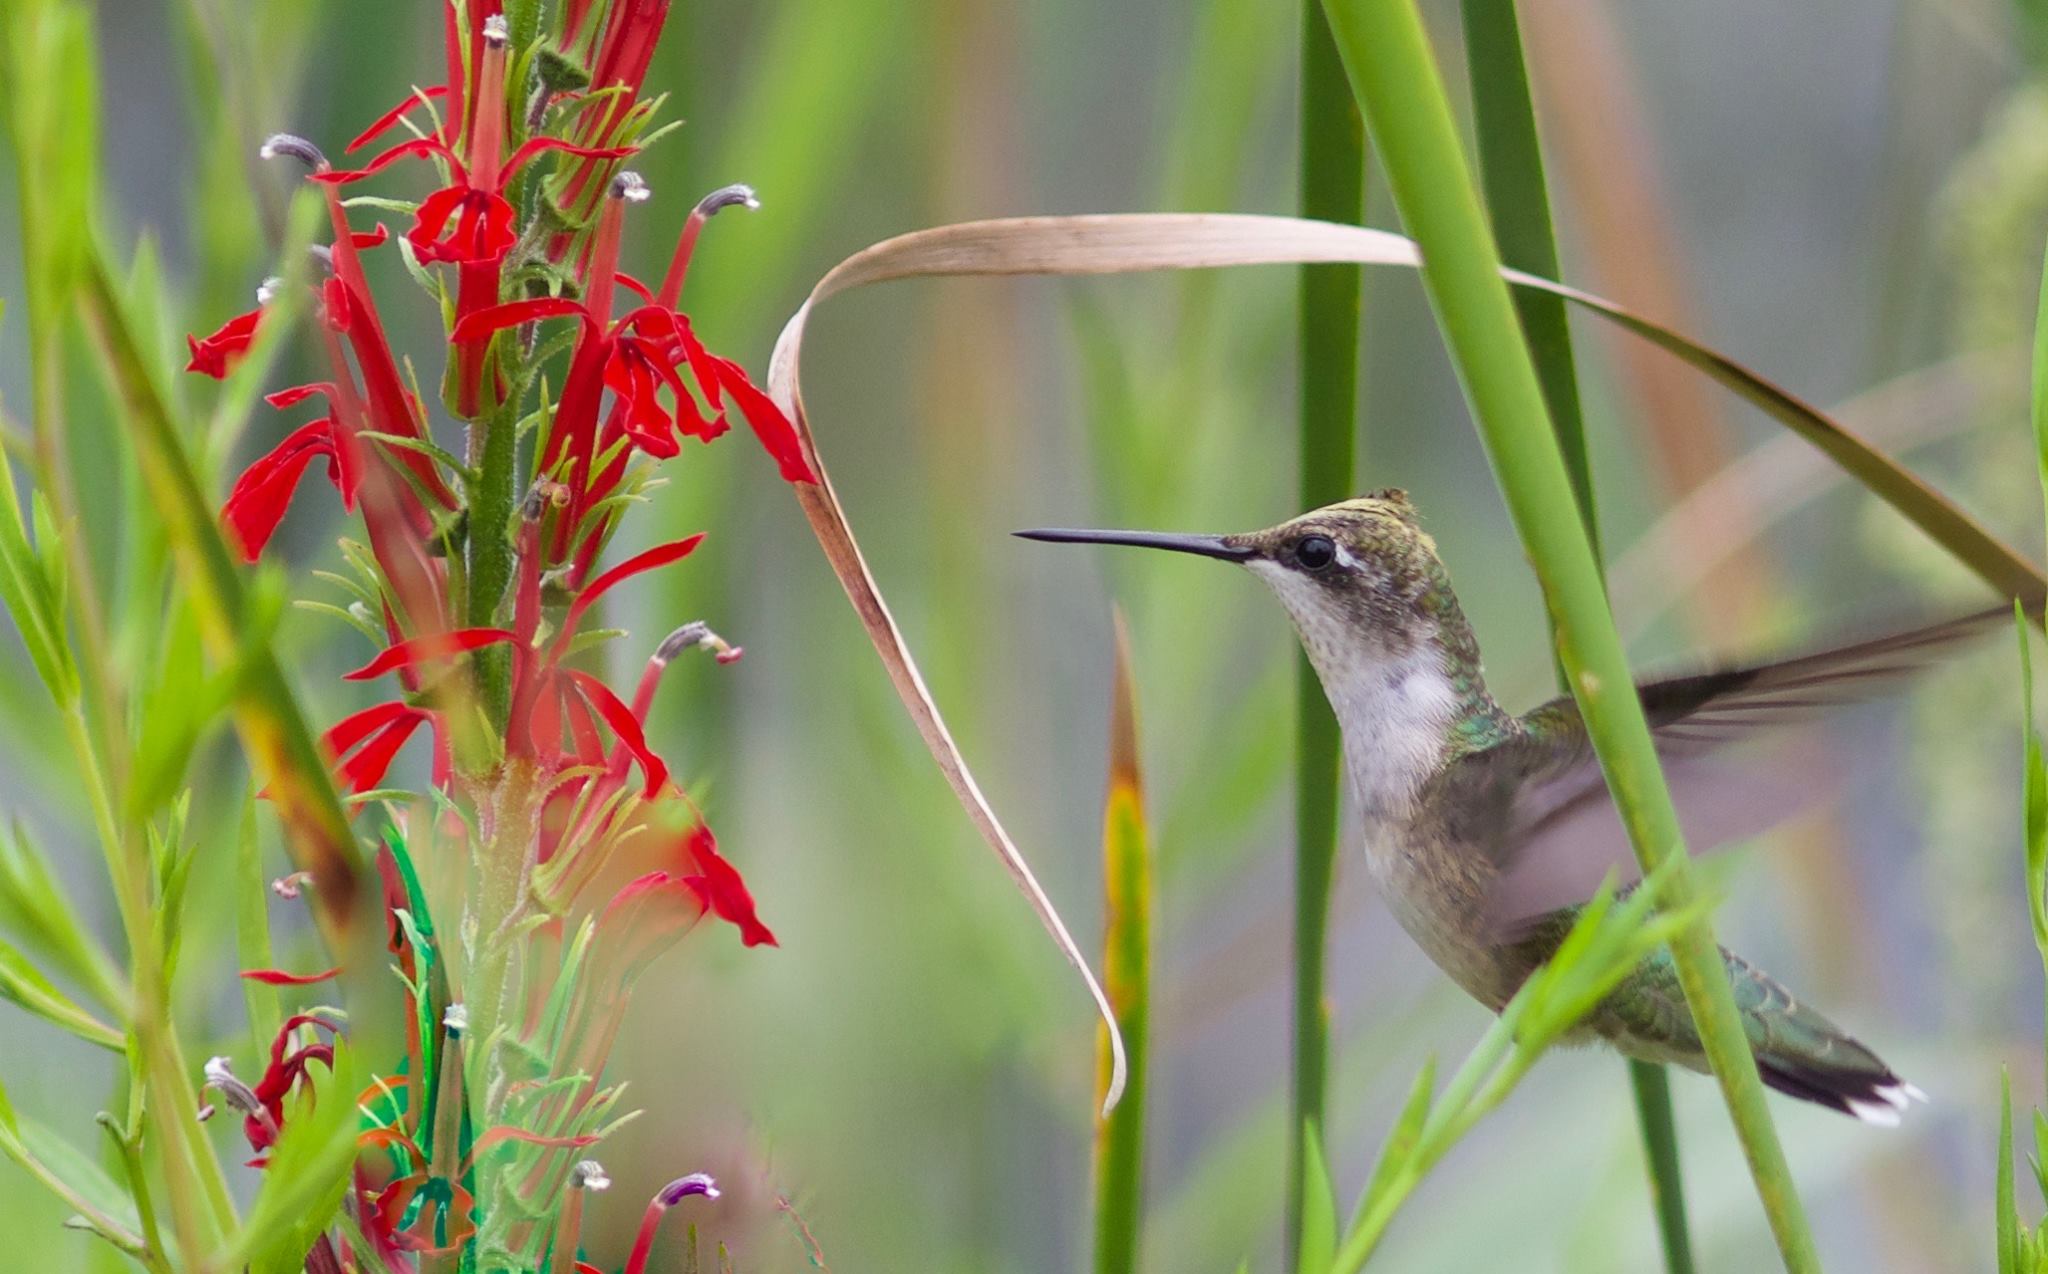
(1200, 545)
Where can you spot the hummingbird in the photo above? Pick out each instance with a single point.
(1483, 830)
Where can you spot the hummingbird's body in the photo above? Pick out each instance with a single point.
(1476, 822)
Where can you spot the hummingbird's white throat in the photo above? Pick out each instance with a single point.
(1394, 699)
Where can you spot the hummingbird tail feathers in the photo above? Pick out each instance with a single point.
(1798, 1052)
(1803, 1055)
(1873, 1100)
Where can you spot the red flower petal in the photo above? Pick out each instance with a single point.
(633, 285)
(297, 394)
(433, 646)
(627, 727)
(260, 496)
(659, 555)
(482, 233)
(541, 145)
(370, 238)
(367, 768)
(496, 318)
(216, 355)
(389, 119)
(718, 883)
(418, 146)
(357, 726)
(279, 977)
(766, 419)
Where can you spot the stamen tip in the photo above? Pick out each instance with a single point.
(699, 1183)
(631, 187)
(292, 146)
(589, 1174)
(734, 196)
(496, 33)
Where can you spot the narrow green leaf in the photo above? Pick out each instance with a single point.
(252, 928)
(2007, 1207)
(1331, 187)
(25, 985)
(35, 908)
(1126, 978)
(1401, 1141)
(1318, 1207)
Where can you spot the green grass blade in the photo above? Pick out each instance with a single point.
(1386, 52)
(1518, 204)
(1127, 978)
(1332, 188)
(1318, 1207)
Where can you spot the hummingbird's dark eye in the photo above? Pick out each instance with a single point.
(1314, 552)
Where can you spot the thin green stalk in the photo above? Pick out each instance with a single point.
(1652, 1089)
(1518, 202)
(188, 1161)
(1332, 188)
(491, 500)
(1387, 54)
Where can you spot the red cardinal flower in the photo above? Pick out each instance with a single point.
(216, 355)
(469, 221)
(260, 496)
(636, 357)
(374, 737)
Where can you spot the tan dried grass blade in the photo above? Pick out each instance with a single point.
(1132, 243)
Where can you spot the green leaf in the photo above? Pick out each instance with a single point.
(1126, 977)
(32, 596)
(252, 928)
(25, 985)
(35, 908)
(78, 1170)
(1318, 1207)
(177, 711)
(73, 1177)
(1401, 1140)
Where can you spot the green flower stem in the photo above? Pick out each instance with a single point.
(1332, 188)
(1386, 52)
(1518, 202)
(491, 501)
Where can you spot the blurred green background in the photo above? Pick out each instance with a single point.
(1848, 196)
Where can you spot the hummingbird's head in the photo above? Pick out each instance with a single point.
(1360, 579)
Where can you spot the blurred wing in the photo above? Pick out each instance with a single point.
(1564, 835)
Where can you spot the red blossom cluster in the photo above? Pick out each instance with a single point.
(480, 572)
